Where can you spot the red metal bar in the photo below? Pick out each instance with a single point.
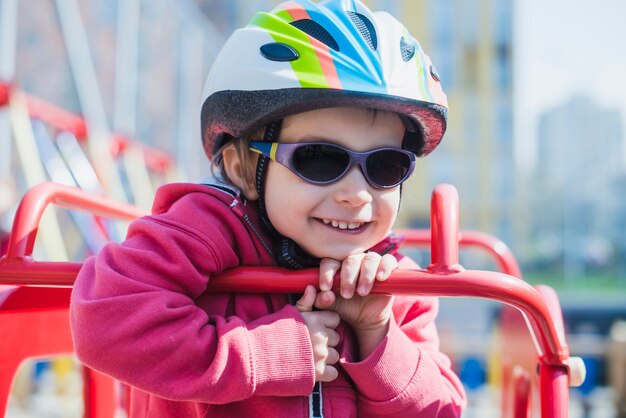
(469, 283)
(445, 230)
(33, 322)
(554, 387)
(444, 278)
(17, 267)
(495, 247)
(521, 393)
(97, 388)
(35, 201)
(64, 121)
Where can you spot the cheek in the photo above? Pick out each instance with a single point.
(285, 197)
(389, 201)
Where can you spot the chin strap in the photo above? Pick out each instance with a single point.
(286, 252)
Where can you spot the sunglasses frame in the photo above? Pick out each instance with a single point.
(282, 153)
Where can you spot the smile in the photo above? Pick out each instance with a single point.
(343, 224)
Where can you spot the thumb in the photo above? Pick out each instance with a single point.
(305, 304)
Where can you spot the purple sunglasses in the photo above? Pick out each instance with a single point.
(323, 163)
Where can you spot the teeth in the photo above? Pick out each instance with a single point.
(342, 225)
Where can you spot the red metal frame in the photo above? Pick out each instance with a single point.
(64, 121)
(444, 277)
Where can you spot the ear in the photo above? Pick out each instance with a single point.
(235, 171)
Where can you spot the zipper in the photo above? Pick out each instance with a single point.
(315, 398)
(315, 402)
(239, 212)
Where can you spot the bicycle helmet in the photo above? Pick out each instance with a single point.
(304, 55)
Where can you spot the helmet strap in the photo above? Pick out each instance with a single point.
(272, 131)
(286, 251)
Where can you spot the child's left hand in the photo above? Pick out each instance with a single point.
(358, 272)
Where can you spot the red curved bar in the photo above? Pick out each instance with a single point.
(445, 277)
(551, 299)
(36, 200)
(467, 283)
(499, 250)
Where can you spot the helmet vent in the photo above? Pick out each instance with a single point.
(317, 31)
(366, 27)
(407, 50)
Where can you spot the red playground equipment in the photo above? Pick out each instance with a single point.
(34, 300)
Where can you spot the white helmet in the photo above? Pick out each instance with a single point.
(304, 55)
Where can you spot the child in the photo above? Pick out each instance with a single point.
(313, 116)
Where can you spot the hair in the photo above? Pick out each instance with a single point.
(242, 147)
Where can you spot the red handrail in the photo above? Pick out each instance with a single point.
(501, 253)
(446, 278)
(37, 199)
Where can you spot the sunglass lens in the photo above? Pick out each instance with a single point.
(388, 167)
(319, 162)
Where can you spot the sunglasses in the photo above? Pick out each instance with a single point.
(323, 163)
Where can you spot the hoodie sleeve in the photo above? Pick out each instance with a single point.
(134, 317)
(407, 375)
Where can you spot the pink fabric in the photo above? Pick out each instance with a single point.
(140, 313)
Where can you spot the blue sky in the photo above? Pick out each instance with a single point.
(562, 48)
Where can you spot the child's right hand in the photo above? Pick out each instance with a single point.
(324, 338)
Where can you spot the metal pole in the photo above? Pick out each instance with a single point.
(126, 62)
(8, 40)
(89, 96)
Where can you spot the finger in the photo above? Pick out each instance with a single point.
(333, 338)
(333, 356)
(350, 269)
(369, 269)
(325, 300)
(329, 374)
(305, 304)
(387, 265)
(328, 269)
(329, 319)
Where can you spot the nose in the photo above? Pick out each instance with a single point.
(353, 189)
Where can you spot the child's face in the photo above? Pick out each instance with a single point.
(305, 212)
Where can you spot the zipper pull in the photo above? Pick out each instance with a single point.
(236, 208)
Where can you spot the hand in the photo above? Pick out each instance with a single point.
(324, 338)
(358, 271)
(368, 315)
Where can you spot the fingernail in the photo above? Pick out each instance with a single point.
(362, 290)
(324, 286)
(346, 294)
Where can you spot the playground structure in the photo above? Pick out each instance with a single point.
(34, 294)
(536, 371)
(35, 300)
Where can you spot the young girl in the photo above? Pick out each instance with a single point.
(313, 117)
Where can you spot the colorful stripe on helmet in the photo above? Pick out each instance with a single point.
(355, 67)
(316, 66)
(365, 74)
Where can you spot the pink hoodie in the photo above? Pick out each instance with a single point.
(140, 312)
